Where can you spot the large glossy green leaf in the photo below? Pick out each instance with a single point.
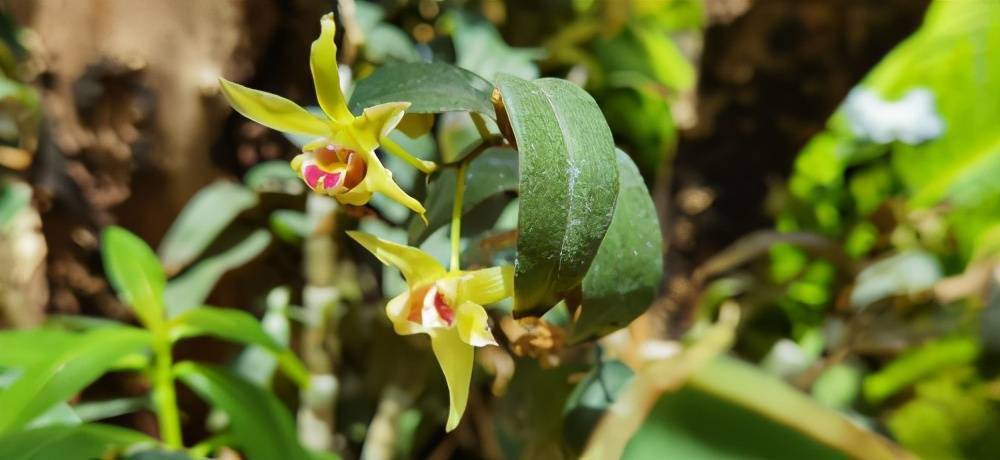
(568, 186)
(261, 426)
(135, 273)
(729, 409)
(192, 287)
(89, 441)
(623, 280)
(430, 87)
(237, 326)
(202, 220)
(492, 173)
(65, 371)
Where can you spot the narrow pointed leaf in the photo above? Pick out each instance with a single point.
(262, 428)
(625, 275)
(237, 326)
(65, 372)
(82, 441)
(568, 186)
(135, 273)
(192, 287)
(201, 221)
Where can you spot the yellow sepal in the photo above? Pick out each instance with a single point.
(326, 78)
(272, 111)
(417, 266)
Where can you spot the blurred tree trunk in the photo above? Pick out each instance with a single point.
(133, 114)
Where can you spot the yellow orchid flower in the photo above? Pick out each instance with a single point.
(341, 162)
(447, 306)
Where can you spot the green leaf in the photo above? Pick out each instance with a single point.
(383, 41)
(261, 426)
(289, 225)
(730, 409)
(430, 87)
(191, 288)
(14, 197)
(65, 371)
(89, 441)
(275, 176)
(591, 397)
(93, 411)
(623, 280)
(256, 363)
(492, 173)
(568, 186)
(201, 221)
(645, 51)
(480, 48)
(928, 360)
(238, 326)
(135, 273)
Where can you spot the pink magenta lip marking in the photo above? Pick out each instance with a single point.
(332, 180)
(312, 174)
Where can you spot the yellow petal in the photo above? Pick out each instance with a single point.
(486, 286)
(326, 78)
(455, 358)
(272, 111)
(473, 325)
(417, 266)
(397, 310)
(378, 121)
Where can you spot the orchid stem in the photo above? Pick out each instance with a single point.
(456, 216)
(392, 147)
(480, 123)
(164, 398)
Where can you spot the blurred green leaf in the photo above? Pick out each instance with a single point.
(14, 198)
(192, 287)
(430, 87)
(731, 410)
(646, 51)
(272, 176)
(905, 273)
(568, 186)
(89, 441)
(626, 273)
(492, 173)
(590, 398)
(838, 386)
(237, 326)
(257, 363)
(383, 41)
(261, 426)
(135, 273)
(65, 371)
(950, 418)
(289, 225)
(480, 48)
(925, 361)
(206, 215)
(93, 411)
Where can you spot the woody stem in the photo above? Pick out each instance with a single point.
(392, 147)
(456, 216)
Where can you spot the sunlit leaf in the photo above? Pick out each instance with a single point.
(135, 273)
(65, 371)
(83, 441)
